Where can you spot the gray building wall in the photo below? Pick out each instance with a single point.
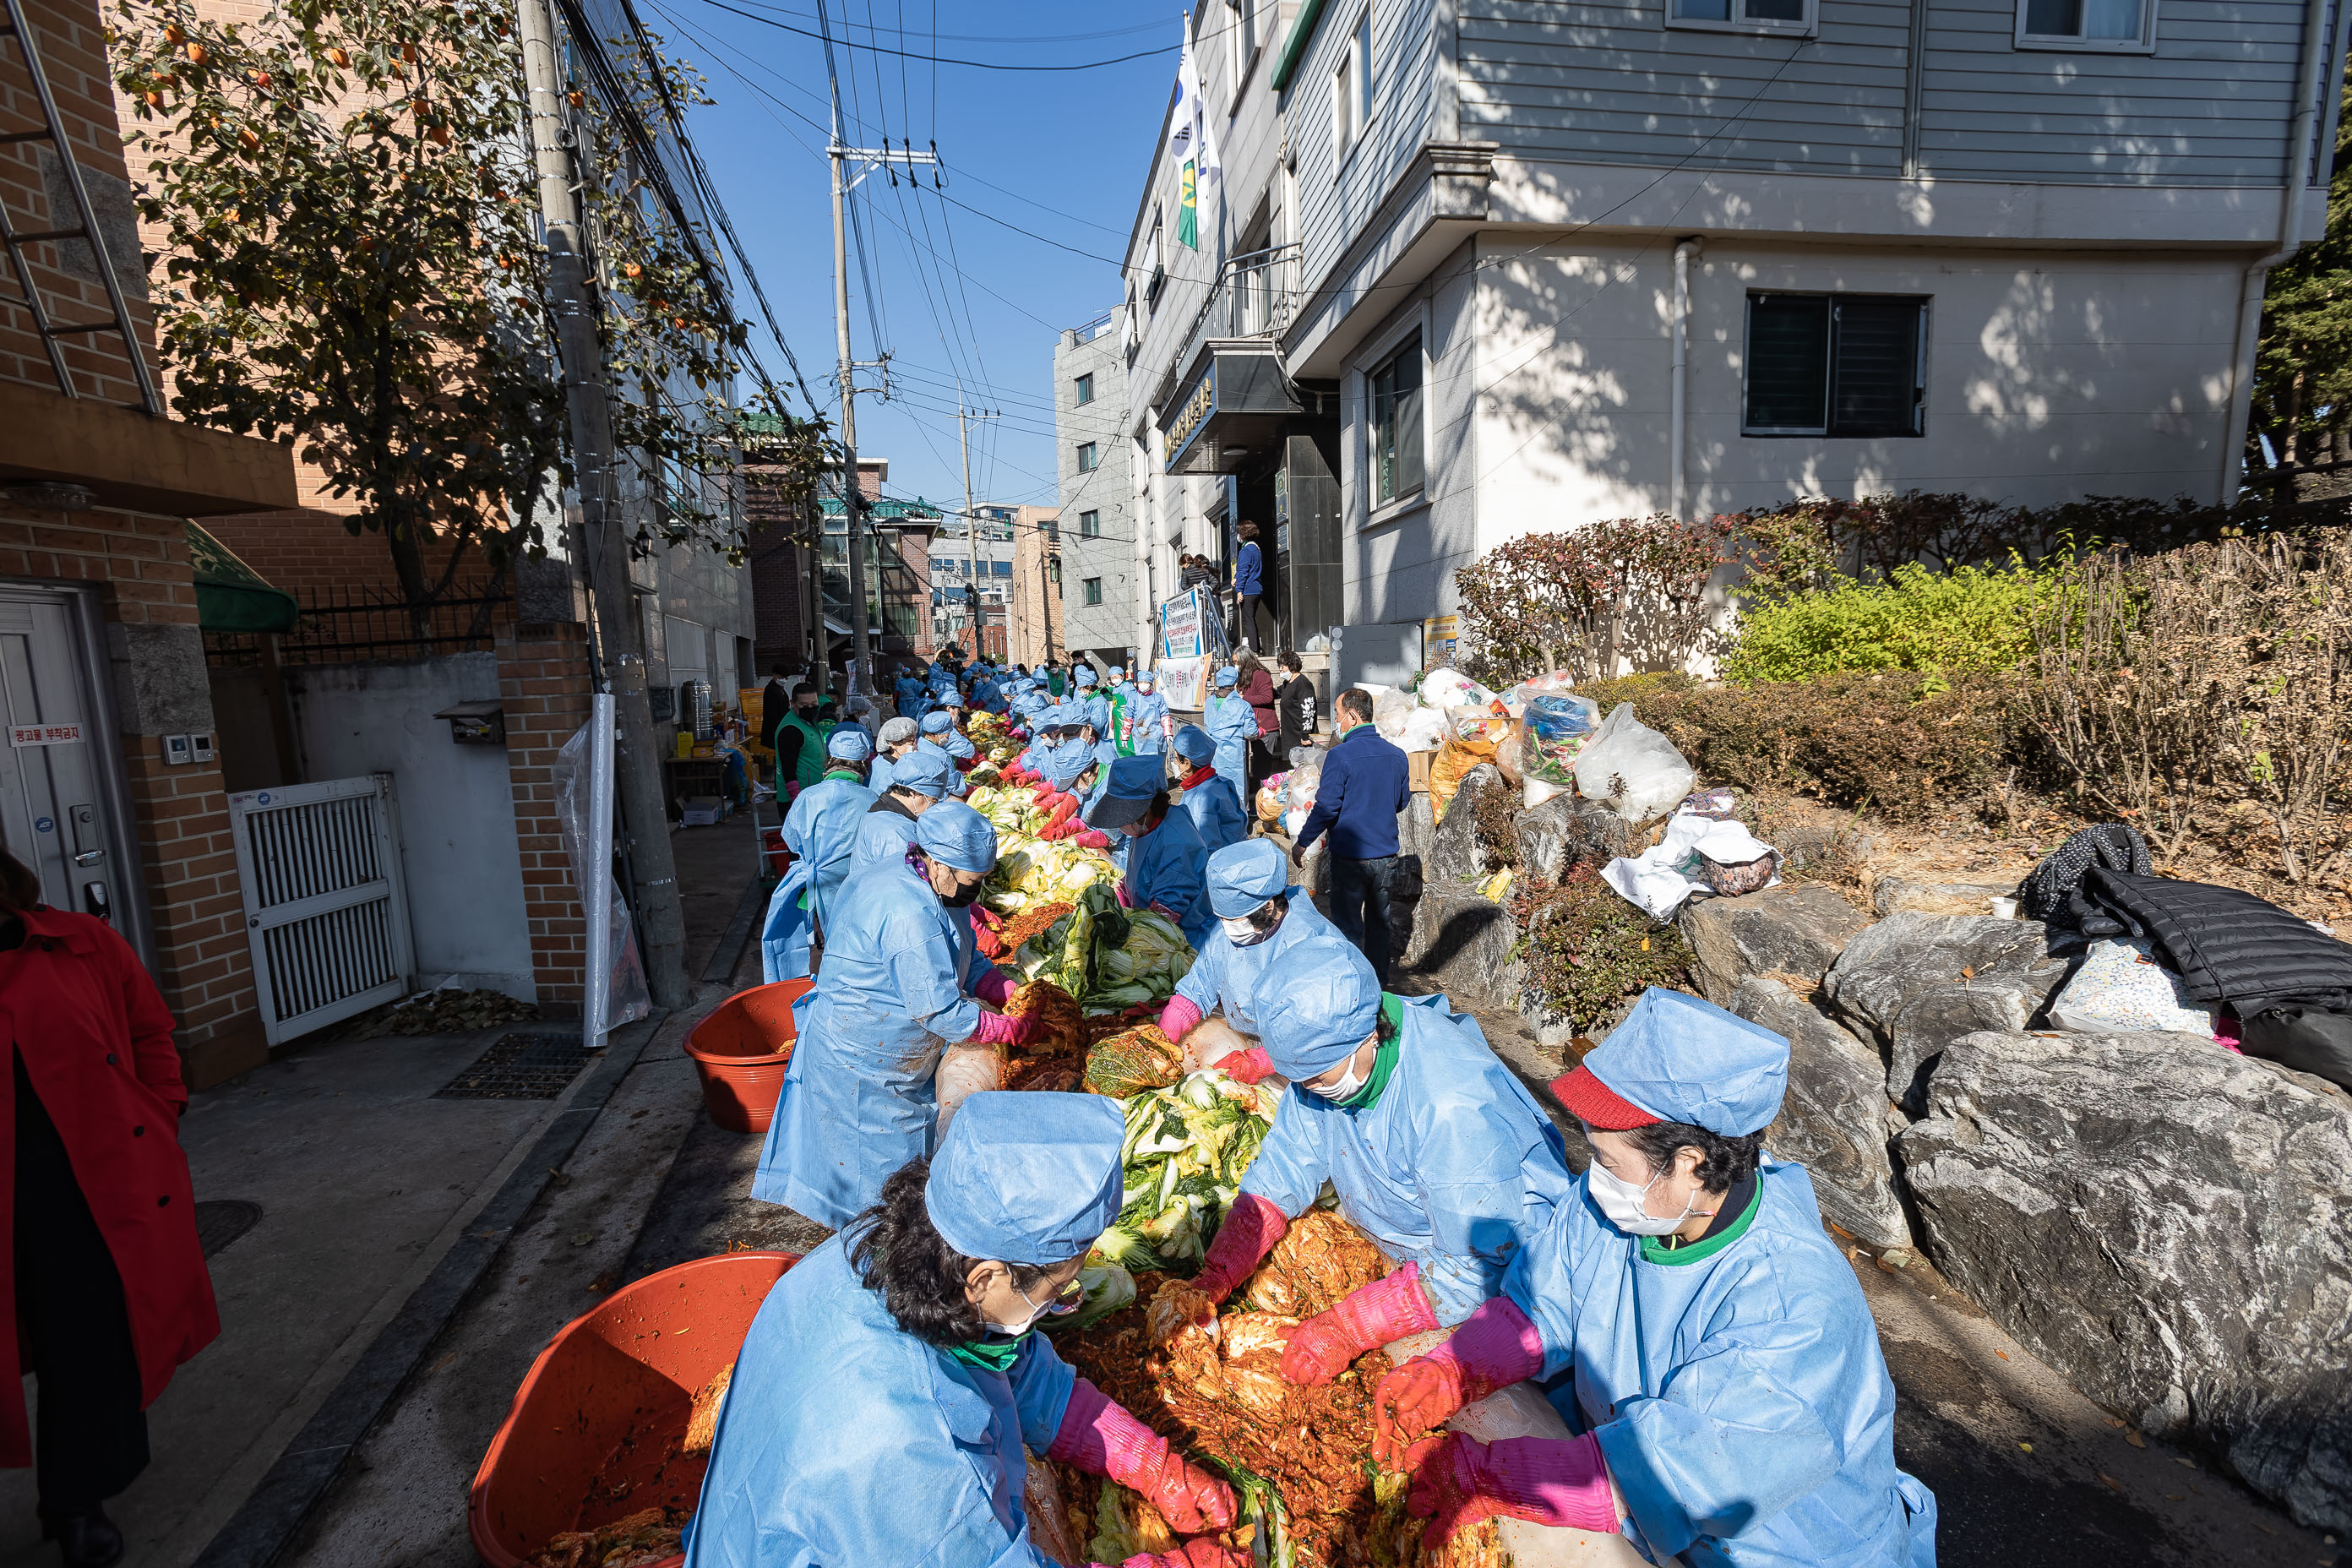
(1107, 628)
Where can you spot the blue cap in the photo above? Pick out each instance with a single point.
(1144, 677)
(1229, 676)
(1119, 672)
(1679, 1058)
(1316, 1007)
(938, 721)
(1026, 1177)
(949, 698)
(1192, 744)
(1073, 713)
(1085, 675)
(953, 833)
(850, 742)
(1129, 785)
(1243, 876)
(925, 773)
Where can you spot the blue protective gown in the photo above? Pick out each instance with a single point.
(1225, 975)
(1736, 1385)
(1148, 718)
(882, 834)
(956, 786)
(912, 699)
(1167, 867)
(846, 1441)
(858, 1100)
(1455, 1166)
(1215, 813)
(1231, 723)
(821, 829)
(1097, 709)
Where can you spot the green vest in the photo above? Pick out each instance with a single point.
(812, 758)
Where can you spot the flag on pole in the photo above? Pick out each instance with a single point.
(1192, 149)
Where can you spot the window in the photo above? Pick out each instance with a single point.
(1087, 387)
(1395, 390)
(1241, 26)
(1090, 525)
(2123, 26)
(1089, 457)
(1093, 586)
(1054, 572)
(1351, 93)
(1836, 364)
(1743, 15)
(1003, 569)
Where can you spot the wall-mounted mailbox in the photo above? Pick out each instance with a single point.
(482, 723)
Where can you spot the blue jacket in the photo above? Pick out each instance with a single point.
(844, 1440)
(1455, 1167)
(1366, 782)
(1249, 573)
(1736, 1385)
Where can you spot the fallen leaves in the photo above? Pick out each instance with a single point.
(2133, 1438)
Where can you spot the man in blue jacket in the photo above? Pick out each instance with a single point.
(1365, 783)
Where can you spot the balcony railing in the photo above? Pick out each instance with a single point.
(1254, 295)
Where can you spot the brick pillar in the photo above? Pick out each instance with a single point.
(543, 688)
(196, 911)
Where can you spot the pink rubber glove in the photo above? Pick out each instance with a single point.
(1248, 1233)
(995, 988)
(1247, 1066)
(1102, 1438)
(1090, 837)
(1382, 1313)
(1177, 1018)
(1493, 1348)
(1458, 1480)
(997, 1029)
(1126, 900)
(1191, 1554)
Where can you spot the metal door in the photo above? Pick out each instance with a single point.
(325, 905)
(61, 809)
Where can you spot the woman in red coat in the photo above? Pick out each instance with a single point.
(105, 1276)
(1256, 689)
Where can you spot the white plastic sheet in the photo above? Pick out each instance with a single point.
(1633, 767)
(624, 995)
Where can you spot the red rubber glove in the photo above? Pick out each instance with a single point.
(1382, 1313)
(1066, 806)
(1458, 1480)
(999, 1029)
(1178, 1018)
(1092, 839)
(1493, 1348)
(1247, 1066)
(1191, 1554)
(1102, 1438)
(1246, 1235)
(995, 987)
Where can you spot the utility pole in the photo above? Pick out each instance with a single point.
(618, 631)
(972, 522)
(861, 660)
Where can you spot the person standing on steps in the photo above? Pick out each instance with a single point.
(107, 1279)
(1249, 585)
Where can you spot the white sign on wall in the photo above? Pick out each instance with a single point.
(43, 734)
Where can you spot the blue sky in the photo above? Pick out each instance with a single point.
(1058, 154)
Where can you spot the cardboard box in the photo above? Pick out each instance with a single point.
(1417, 771)
(705, 811)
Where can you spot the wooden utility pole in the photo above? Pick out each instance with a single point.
(619, 637)
(971, 527)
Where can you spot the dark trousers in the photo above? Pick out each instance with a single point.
(1245, 622)
(1360, 907)
(90, 1439)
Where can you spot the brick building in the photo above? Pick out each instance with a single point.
(99, 603)
(1035, 606)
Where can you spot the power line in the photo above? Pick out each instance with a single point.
(936, 60)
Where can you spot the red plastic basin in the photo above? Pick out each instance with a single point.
(741, 1050)
(605, 1405)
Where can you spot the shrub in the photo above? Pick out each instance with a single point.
(1586, 948)
(1899, 745)
(1971, 618)
(1585, 599)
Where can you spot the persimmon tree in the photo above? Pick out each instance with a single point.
(350, 258)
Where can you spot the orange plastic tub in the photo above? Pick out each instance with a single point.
(742, 1049)
(593, 1433)
(780, 859)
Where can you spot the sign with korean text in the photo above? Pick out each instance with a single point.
(1180, 622)
(43, 734)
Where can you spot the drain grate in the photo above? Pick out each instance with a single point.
(521, 1066)
(220, 1221)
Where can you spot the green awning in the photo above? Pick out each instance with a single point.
(231, 596)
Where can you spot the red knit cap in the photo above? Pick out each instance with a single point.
(1600, 1105)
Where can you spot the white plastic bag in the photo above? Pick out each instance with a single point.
(1424, 729)
(628, 997)
(2122, 989)
(1390, 709)
(1633, 767)
(1452, 689)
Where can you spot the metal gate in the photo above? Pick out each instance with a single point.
(325, 906)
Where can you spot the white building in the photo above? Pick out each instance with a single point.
(1479, 268)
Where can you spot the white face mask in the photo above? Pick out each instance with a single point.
(1622, 1202)
(1052, 1305)
(1242, 932)
(1350, 1082)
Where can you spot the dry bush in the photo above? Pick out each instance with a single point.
(2177, 690)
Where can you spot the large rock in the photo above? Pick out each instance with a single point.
(1893, 895)
(1455, 855)
(1564, 831)
(1781, 931)
(2167, 1223)
(1914, 983)
(1835, 1119)
(1416, 829)
(1461, 943)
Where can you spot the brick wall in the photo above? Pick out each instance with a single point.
(543, 686)
(779, 579)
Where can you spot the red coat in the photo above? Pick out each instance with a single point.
(96, 1039)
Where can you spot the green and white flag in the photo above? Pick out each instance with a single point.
(1192, 149)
